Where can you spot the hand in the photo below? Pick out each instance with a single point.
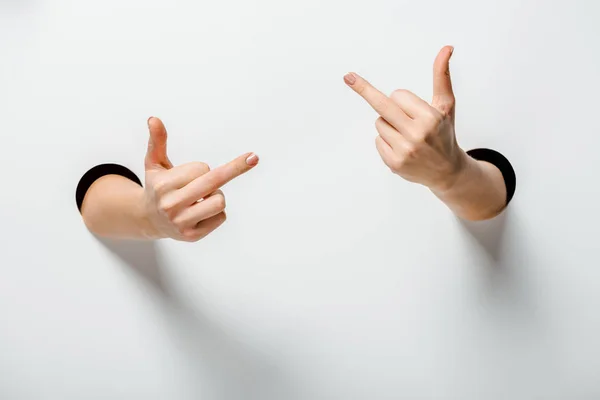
(417, 140)
(185, 202)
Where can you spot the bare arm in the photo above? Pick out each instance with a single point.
(183, 202)
(113, 207)
(478, 193)
(417, 141)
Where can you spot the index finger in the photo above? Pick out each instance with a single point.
(213, 180)
(381, 103)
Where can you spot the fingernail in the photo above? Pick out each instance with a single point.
(350, 79)
(451, 50)
(148, 122)
(252, 160)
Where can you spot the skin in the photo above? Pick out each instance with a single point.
(183, 203)
(417, 141)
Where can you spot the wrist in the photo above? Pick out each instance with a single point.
(476, 191)
(463, 167)
(145, 217)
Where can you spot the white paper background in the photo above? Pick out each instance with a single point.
(333, 278)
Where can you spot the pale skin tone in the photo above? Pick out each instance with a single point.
(183, 203)
(417, 141)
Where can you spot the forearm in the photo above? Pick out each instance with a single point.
(113, 207)
(478, 192)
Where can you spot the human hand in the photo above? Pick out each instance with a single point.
(185, 202)
(417, 140)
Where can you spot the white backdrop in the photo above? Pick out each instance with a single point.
(332, 278)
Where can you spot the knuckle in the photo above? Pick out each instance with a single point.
(399, 94)
(445, 109)
(445, 105)
(167, 207)
(160, 185)
(411, 151)
(179, 225)
(433, 117)
(396, 164)
(421, 137)
(190, 235)
(199, 168)
(220, 202)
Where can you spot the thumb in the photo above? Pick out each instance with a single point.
(443, 96)
(156, 156)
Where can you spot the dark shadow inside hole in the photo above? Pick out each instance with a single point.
(490, 234)
(500, 162)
